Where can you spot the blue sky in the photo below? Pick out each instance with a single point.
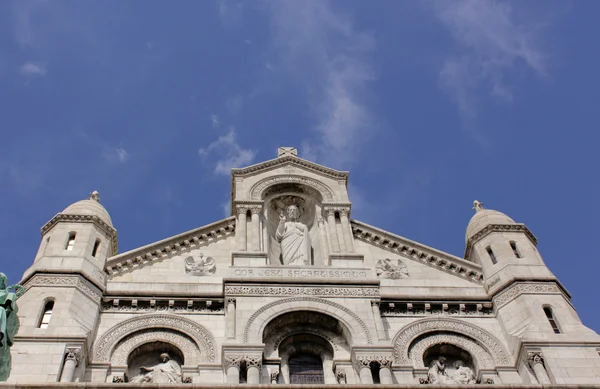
(429, 105)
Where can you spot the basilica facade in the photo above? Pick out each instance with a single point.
(291, 289)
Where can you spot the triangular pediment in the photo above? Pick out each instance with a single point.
(166, 248)
(424, 254)
(289, 161)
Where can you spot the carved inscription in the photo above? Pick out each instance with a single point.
(299, 273)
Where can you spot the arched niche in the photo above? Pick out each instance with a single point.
(304, 323)
(356, 330)
(148, 354)
(309, 203)
(306, 359)
(464, 334)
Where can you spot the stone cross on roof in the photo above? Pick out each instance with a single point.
(285, 151)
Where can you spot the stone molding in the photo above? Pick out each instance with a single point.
(183, 342)
(418, 252)
(359, 292)
(167, 248)
(418, 349)
(406, 336)
(437, 308)
(258, 189)
(290, 160)
(63, 217)
(75, 281)
(264, 314)
(204, 340)
(497, 228)
(519, 288)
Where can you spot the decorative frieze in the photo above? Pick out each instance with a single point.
(428, 256)
(331, 291)
(208, 307)
(517, 289)
(78, 282)
(170, 247)
(436, 308)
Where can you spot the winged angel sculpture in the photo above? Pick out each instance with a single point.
(203, 266)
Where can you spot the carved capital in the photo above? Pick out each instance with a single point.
(73, 354)
(253, 360)
(364, 360)
(231, 300)
(241, 210)
(256, 209)
(118, 379)
(344, 212)
(329, 212)
(375, 303)
(233, 360)
(534, 358)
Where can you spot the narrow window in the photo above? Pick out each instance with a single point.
(492, 256)
(515, 250)
(70, 242)
(45, 320)
(95, 249)
(552, 320)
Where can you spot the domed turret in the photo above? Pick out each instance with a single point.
(90, 206)
(483, 218)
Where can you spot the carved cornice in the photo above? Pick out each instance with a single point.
(497, 228)
(75, 281)
(519, 288)
(169, 247)
(418, 252)
(437, 308)
(290, 160)
(63, 217)
(330, 291)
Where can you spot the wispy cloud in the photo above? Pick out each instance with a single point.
(32, 69)
(493, 41)
(115, 154)
(228, 153)
(214, 119)
(323, 45)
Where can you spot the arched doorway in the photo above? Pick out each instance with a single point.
(305, 368)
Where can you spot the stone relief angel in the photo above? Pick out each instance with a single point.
(387, 269)
(200, 267)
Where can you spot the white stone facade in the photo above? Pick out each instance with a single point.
(372, 307)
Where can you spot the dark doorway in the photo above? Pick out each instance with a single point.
(306, 369)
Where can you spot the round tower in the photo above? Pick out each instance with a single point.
(64, 286)
(505, 249)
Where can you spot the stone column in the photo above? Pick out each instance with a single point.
(255, 244)
(230, 326)
(536, 361)
(324, 241)
(347, 231)
(71, 362)
(335, 243)
(241, 228)
(366, 378)
(378, 320)
(385, 371)
(253, 366)
(233, 370)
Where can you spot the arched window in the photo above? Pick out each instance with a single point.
(491, 254)
(96, 246)
(513, 246)
(70, 241)
(552, 320)
(45, 319)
